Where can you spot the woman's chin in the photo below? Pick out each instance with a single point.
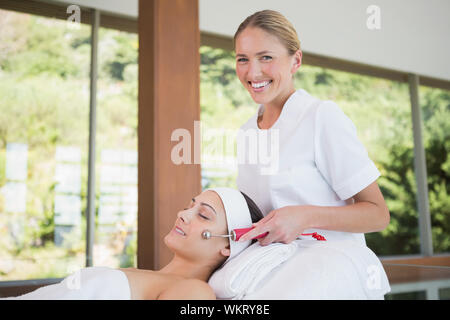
(174, 242)
(169, 241)
(260, 97)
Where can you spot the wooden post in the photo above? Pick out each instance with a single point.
(169, 98)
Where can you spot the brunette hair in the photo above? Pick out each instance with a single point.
(255, 212)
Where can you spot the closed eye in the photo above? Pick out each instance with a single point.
(204, 217)
(201, 215)
(242, 60)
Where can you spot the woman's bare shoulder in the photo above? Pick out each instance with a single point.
(128, 269)
(136, 271)
(188, 289)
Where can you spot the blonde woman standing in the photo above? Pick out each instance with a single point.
(325, 180)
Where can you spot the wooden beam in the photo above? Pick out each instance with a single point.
(20, 287)
(437, 261)
(216, 41)
(169, 98)
(398, 273)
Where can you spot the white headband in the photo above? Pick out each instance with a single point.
(238, 216)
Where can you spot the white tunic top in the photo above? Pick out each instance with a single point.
(320, 161)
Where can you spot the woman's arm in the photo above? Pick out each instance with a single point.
(190, 289)
(369, 213)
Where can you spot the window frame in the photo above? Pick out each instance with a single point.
(96, 19)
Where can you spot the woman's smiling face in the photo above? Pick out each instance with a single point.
(204, 212)
(264, 65)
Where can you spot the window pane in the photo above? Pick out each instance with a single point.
(435, 107)
(116, 150)
(225, 106)
(44, 104)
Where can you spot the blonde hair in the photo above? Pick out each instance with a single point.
(274, 23)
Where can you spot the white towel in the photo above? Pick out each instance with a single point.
(93, 283)
(242, 274)
(326, 270)
(368, 267)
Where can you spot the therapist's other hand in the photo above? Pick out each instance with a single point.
(284, 225)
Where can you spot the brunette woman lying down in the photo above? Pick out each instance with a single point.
(195, 258)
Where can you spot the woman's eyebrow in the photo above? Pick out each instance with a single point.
(257, 54)
(263, 52)
(205, 204)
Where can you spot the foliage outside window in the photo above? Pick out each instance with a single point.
(44, 128)
(435, 105)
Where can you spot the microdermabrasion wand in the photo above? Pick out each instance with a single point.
(207, 235)
(236, 234)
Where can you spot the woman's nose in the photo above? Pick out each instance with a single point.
(254, 70)
(185, 215)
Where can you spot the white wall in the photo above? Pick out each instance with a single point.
(414, 35)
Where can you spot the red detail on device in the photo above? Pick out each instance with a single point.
(315, 235)
(240, 232)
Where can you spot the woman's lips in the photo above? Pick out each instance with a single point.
(179, 231)
(259, 86)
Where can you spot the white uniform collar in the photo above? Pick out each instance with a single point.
(289, 111)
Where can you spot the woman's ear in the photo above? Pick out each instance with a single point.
(225, 251)
(297, 61)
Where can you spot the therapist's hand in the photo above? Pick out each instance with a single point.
(284, 225)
